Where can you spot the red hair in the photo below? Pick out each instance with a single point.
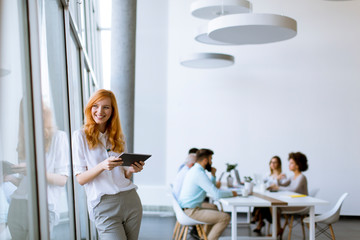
(113, 126)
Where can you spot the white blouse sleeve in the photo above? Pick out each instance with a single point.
(78, 147)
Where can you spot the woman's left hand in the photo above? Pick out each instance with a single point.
(136, 167)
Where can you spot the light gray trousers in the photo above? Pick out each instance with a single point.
(118, 216)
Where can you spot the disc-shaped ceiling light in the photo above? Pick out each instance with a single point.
(202, 37)
(252, 28)
(207, 60)
(209, 9)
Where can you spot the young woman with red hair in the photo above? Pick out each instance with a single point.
(113, 202)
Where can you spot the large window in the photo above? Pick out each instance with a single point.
(18, 218)
(43, 88)
(56, 126)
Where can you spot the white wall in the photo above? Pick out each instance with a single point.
(296, 95)
(150, 95)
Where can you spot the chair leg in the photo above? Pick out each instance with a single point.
(186, 232)
(302, 225)
(203, 232)
(286, 222)
(176, 229)
(198, 229)
(290, 226)
(332, 232)
(181, 233)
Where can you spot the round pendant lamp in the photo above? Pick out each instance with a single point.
(209, 9)
(202, 37)
(207, 60)
(252, 28)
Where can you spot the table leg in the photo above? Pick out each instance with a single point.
(248, 215)
(233, 223)
(312, 223)
(274, 222)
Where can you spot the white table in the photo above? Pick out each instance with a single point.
(280, 198)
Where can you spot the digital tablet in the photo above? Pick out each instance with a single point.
(130, 158)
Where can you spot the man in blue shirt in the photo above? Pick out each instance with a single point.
(195, 187)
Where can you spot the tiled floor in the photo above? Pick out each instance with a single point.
(156, 227)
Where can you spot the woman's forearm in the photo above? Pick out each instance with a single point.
(284, 182)
(89, 175)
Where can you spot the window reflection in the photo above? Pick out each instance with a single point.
(15, 194)
(17, 180)
(57, 168)
(56, 129)
(56, 147)
(19, 213)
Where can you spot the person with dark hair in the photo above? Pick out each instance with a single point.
(191, 151)
(195, 187)
(298, 163)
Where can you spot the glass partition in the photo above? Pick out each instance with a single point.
(39, 197)
(76, 113)
(56, 126)
(18, 220)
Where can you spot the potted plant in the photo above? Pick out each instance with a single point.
(248, 184)
(230, 179)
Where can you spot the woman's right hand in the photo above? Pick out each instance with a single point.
(90, 174)
(111, 162)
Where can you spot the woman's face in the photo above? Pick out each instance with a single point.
(274, 164)
(292, 165)
(101, 111)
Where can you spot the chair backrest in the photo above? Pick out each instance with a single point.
(334, 214)
(181, 216)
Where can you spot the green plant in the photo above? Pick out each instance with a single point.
(248, 178)
(230, 167)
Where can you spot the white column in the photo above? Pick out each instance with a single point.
(123, 41)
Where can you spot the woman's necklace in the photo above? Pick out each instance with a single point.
(106, 146)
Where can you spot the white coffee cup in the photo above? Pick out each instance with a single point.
(244, 192)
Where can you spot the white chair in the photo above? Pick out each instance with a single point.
(328, 219)
(184, 221)
(301, 213)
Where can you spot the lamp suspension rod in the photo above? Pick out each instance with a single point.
(222, 8)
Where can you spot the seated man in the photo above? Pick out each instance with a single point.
(195, 187)
(179, 179)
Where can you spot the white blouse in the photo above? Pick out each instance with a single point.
(108, 182)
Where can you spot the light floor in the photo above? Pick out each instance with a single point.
(156, 227)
